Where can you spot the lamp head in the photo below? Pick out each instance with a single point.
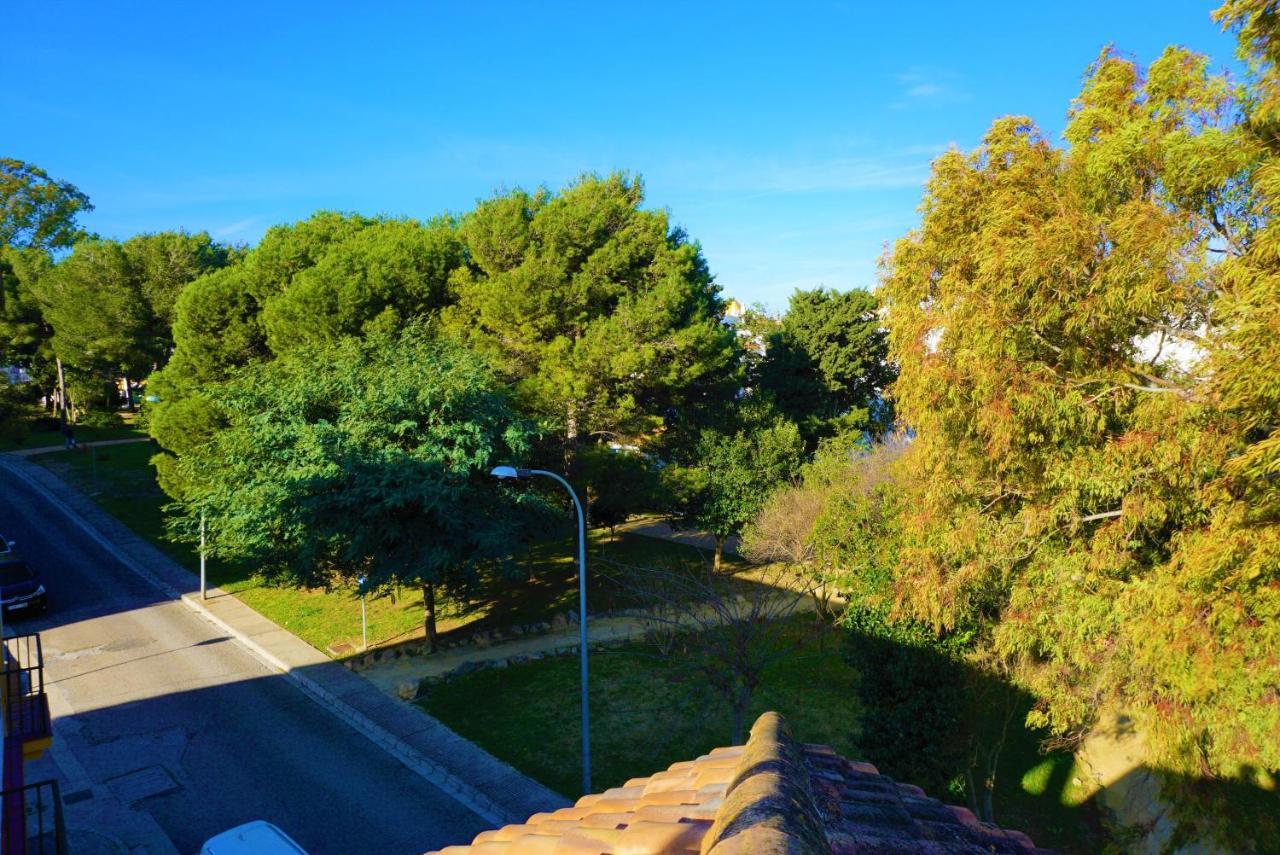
(504, 472)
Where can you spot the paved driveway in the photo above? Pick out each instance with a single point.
(167, 732)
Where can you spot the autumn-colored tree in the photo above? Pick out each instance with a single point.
(1080, 492)
(835, 525)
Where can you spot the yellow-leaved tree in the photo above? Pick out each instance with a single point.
(1087, 337)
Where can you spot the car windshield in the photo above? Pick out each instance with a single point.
(15, 572)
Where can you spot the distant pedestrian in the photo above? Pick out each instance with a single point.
(68, 436)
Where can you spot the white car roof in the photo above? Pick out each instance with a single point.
(253, 838)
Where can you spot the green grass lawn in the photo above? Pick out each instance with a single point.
(646, 714)
(40, 431)
(121, 479)
(647, 710)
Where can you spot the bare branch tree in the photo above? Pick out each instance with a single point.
(802, 526)
(722, 631)
(781, 531)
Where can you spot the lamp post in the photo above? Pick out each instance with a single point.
(503, 472)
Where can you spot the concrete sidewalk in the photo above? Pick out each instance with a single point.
(481, 782)
(101, 443)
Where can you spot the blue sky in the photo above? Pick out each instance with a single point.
(792, 140)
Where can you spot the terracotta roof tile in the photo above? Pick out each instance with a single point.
(533, 844)
(645, 837)
(772, 795)
(606, 819)
(590, 841)
(677, 813)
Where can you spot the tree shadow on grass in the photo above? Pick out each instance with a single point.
(540, 582)
(935, 720)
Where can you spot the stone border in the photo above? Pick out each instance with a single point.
(481, 639)
(471, 666)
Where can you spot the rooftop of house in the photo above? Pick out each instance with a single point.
(772, 795)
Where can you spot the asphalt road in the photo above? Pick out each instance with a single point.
(162, 725)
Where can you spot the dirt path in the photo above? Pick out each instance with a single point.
(390, 675)
(394, 675)
(662, 530)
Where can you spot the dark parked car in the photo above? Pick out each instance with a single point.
(20, 589)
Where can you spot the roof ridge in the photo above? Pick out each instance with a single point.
(769, 806)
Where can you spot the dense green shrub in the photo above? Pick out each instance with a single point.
(912, 690)
(13, 426)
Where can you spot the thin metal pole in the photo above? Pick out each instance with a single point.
(582, 636)
(203, 590)
(362, 581)
(582, 626)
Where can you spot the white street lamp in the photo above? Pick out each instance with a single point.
(504, 472)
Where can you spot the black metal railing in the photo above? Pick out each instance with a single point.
(26, 709)
(23, 652)
(33, 823)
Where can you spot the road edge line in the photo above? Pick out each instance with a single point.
(412, 759)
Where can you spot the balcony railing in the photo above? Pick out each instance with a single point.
(26, 707)
(32, 820)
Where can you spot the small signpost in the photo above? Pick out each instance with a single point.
(364, 619)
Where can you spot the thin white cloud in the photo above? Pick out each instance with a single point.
(921, 86)
(233, 229)
(925, 90)
(803, 172)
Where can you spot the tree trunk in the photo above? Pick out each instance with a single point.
(988, 809)
(980, 779)
(739, 721)
(972, 790)
(128, 392)
(62, 392)
(715, 564)
(429, 600)
(570, 437)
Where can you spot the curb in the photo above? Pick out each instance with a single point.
(411, 758)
